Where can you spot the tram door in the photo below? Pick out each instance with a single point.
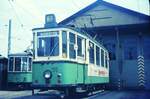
(81, 58)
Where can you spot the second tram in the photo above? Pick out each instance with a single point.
(19, 70)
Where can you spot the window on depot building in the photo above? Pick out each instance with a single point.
(146, 49)
(64, 44)
(111, 47)
(91, 52)
(130, 49)
(17, 63)
(72, 51)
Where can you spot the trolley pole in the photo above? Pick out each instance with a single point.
(9, 38)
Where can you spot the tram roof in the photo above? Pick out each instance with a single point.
(2, 57)
(82, 32)
(20, 54)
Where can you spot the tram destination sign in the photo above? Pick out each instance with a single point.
(48, 33)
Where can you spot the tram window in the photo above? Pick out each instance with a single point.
(54, 44)
(64, 44)
(41, 47)
(97, 56)
(29, 64)
(33, 42)
(130, 49)
(91, 52)
(80, 45)
(102, 57)
(106, 60)
(48, 46)
(72, 52)
(11, 61)
(17, 64)
(111, 48)
(24, 64)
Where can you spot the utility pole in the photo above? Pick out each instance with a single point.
(9, 38)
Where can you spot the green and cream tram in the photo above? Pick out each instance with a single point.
(67, 59)
(19, 70)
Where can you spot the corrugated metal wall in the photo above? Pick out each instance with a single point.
(131, 67)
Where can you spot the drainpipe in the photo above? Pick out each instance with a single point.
(119, 57)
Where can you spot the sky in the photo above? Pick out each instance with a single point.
(28, 14)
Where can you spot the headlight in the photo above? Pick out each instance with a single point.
(59, 75)
(47, 74)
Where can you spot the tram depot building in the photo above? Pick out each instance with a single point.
(126, 35)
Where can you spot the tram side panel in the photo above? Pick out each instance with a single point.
(17, 77)
(19, 70)
(70, 73)
(62, 73)
(95, 79)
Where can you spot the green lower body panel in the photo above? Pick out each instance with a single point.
(71, 73)
(94, 79)
(19, 77)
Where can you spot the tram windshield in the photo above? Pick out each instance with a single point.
(20, 64)
(48, 45)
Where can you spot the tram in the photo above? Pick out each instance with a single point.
(3, 72)
(67, 59)
(19, 70)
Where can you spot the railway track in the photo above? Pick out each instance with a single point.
(94, 95)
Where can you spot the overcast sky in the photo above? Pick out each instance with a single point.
(27, 14)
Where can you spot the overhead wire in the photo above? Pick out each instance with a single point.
(18, 18)
(15, 12)
(23, 9)
(82, 24)
(26, 11)
(76, 6)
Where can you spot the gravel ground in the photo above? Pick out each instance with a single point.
(55, 95)
(28, 94)
(13, 94)
(122, 95)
